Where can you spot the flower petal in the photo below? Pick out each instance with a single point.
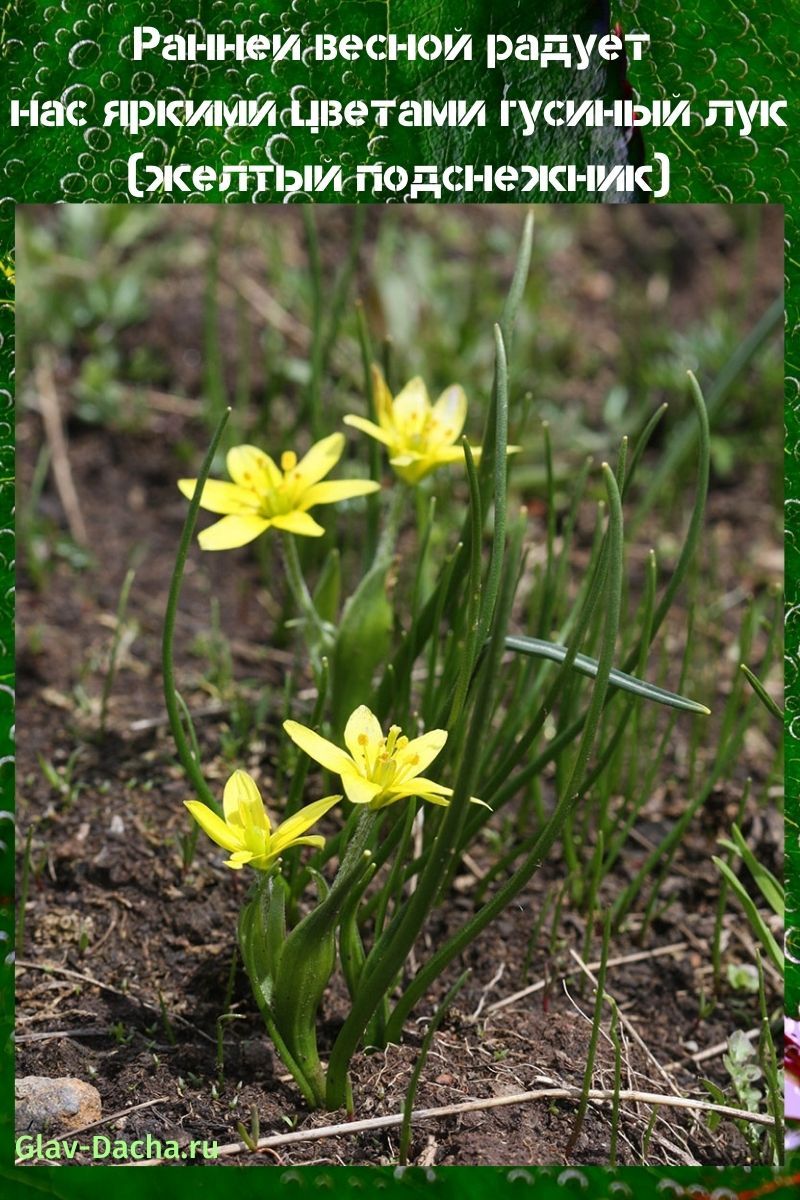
(360, 790)
(338, 489)
(232, 532)
(252, 468)
(450, 454)
(321, 458)
(449, 414)
(213, 825)
(382, 399)
(424, 788)
(363, 737)
(240, 859)
(242, 803)
(419, 754)
(435, 799)
(412, 470)
(371, 428)
(313, 839)
(220, 497)
(406, 458)
(291, 829)
(411, 406)
(319, 748)
(298, 522)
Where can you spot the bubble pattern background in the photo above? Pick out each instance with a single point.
(418, 1183)
(72, 51)
(701, 50)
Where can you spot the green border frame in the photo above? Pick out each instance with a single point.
(700, 49)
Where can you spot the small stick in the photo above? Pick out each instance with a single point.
(57, 440)
(145, 723)
(484, 993)
(710, 1052)
(627, 1023)
(450, 1110)
(266, 305)
(640, 956)
(51, 1034)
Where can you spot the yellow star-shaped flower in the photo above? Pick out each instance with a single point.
(418, 435)
(378, 770)
(246, 831)
(264, 495)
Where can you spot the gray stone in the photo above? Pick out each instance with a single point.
(44, 1105)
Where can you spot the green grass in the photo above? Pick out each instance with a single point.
(564, 613)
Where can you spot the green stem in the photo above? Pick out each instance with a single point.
(373, 501)
(315, 274)
(391, 528)
(321, 640)
(190, 764)
(307, 959)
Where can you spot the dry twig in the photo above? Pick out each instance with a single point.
(640, 956)
(449, 1110)
(57, 441)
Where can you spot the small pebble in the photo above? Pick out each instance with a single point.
(44, 1104)
(117, 827)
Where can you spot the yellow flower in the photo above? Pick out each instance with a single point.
(263, 495)
(246, 830)
(420, 436)
(378, 770)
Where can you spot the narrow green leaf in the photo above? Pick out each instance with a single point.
(361, 644)
(771, 889)
(329, 586)
(419, 1066)
(755, 683)
(753, 915)
(588, 666)
(190, 765)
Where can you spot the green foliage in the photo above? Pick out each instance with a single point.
(509, 600)
(426, 647)
(770, 888)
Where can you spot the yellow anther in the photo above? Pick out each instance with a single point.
(288, 460)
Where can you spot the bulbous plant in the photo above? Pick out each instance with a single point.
(447, 679)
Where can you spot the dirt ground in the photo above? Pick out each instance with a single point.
(126, 959)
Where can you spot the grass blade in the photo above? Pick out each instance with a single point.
(589, 666)
(190, 766)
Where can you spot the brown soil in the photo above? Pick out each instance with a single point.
(126, 957)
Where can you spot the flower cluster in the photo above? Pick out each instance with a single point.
(419, 436)
(376, 769)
